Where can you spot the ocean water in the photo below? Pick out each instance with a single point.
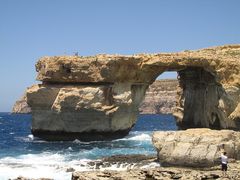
(21, 154)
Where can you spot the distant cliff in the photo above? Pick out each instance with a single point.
(21, 106)
(160, 98)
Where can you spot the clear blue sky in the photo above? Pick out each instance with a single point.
(30, 29)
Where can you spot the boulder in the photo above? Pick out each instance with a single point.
(100, 95)
(196, 147)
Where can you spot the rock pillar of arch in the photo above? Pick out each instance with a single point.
(97, 97)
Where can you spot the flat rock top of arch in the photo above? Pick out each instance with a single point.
(222, 61)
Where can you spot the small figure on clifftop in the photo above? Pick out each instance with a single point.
(224, 161)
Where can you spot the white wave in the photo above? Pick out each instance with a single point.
(118, 167)
(34, 166)
(77, 141)
(141, 137)
(45, 165)
(31, 137)
(70, 148)
(53, 165)
(7, 172)
(137, 137)
(151, 165)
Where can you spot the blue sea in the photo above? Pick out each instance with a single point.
(21, 154)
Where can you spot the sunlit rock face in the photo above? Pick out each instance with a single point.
(67, 112)
(98, 97)
(160, 98)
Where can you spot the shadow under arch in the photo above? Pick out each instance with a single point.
(198, 100)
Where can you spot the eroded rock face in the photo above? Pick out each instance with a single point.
(196, 147)
(200, 100)
(67, 112)
(101, 94)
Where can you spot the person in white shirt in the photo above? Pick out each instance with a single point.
(224, 161)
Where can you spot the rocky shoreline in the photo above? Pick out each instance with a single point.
(193, 154)
(189, 154)
(139, 171)
(161, 173)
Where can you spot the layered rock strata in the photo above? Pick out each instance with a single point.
(160, 98)
(196, 147)
(99, 96)
(86, 112)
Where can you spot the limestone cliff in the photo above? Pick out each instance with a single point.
(196, 147)
(21, 106)
(160, 98)
(98, 96)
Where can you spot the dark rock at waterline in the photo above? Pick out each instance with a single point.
(82, 136)
(70, 169)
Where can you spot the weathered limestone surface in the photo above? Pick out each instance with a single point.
(196, 147)
(85, 112)
(101, 94)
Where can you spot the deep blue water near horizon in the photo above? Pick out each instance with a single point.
(23, 154)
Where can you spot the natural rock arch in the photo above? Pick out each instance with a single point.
(97, 97)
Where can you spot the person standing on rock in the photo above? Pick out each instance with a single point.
(224, 161)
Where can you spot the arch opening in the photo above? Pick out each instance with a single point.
(193, 99)
(159, 102)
